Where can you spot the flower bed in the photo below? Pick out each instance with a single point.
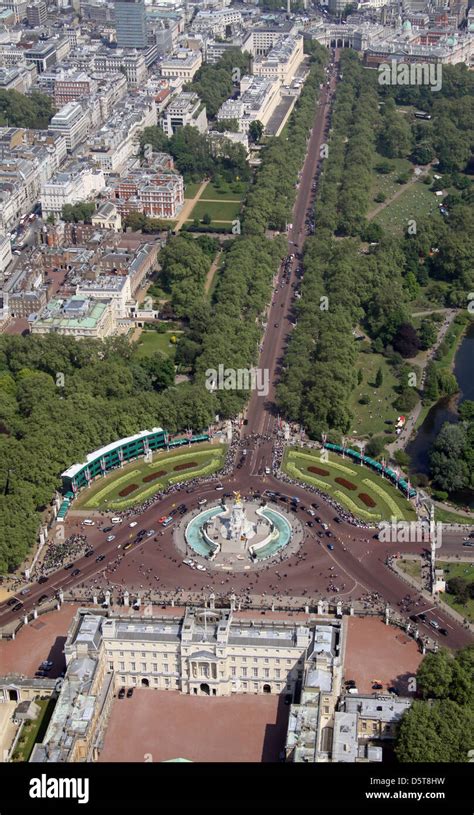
(153, 476)
(127, 490)
(318, 471)
(186, 466)
(367, 500)
(348, 485)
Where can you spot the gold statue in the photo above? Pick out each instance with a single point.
(238, 499)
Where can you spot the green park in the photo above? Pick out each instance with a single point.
(139, 480)
(356, 488)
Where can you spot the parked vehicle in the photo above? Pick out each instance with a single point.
(121, 693)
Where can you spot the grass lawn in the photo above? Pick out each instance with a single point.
(386, 183)
(230, 192)
(34, 731)
(416, 202)
(386, 501)
(465, 570)
(410, 567)
(221, 211)
(191, 189)
(178, 465)
(370, 419)
(151, 341)
(452, 517)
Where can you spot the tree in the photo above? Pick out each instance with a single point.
(379, 378)
(427, 334)
(375, 446)
(406, 341)
(206, 218)
(256, 129)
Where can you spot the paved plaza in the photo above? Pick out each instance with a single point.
(166, 725)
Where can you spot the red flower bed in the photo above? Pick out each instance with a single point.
(344, 483)
(366, 499)
(154, 476)
(127, 490)
(185, 466)
(318, 471)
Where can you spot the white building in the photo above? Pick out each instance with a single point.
(78, 184)
(114, 288)
(185, 109)
(73, 121)
(257, 102)
(183, 63)
(5, 252)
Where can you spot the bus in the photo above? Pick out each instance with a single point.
(421, 114)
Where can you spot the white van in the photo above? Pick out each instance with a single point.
(202, 501)
(88, 522)
(115, 520)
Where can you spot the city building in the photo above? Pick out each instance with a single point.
(115, 288)
(80, 183)
(77, 317)
(5, 252)
(107, 217)
(183, 63)
(71, 86)
(37, 14)
(259, 96)
(130, 23)
(185, 109)
(73, 121)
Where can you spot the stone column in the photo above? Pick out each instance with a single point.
(387, 615)
(61, 596)
(35, 613)
(212, 600)
(25, 619)
(232, 601)
(126, 598)
(94, 599)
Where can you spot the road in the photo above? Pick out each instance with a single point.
(357, 564)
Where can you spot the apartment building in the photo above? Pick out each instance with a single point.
(185, 109)
(216, 22)
(72, 86)
(80, 183)
(118, 139)
(73, 121)
(133, 64)
(282, 60)
(158, 195)
(183, 63)
(37, 14)
(259, 96)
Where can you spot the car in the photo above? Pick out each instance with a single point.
(393, 690)
(115, 520)
(468, 543)
(107, 529)
(132, 524)
(337, 520)
(43, 579)
(12, 601)
(25, 591)
(350, 683)
(414, 618)
(219, 488)
(311, 512)
(288, 699)
(201, 568)
(18, 606)
(129, 693)
(443, 631)
(169, 520)
(75, 572)
(163, 518)
(202, 501)
(267, 471)
(89, 553)
(329, 534)
(325, 526)
(276, 325)
(69, 566)
(330, 546)
(434, 624)
(377, 686)
(110, 538)
(352, 690)
(150, 533)
(422, 617)
(46, 664)
(42, 599)
(127, 546)
(99, 558)
(121, 693)
(88, 522)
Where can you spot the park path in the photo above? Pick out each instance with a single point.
(401, 442)
(212, 271)
(413, 180)
(189, 205)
